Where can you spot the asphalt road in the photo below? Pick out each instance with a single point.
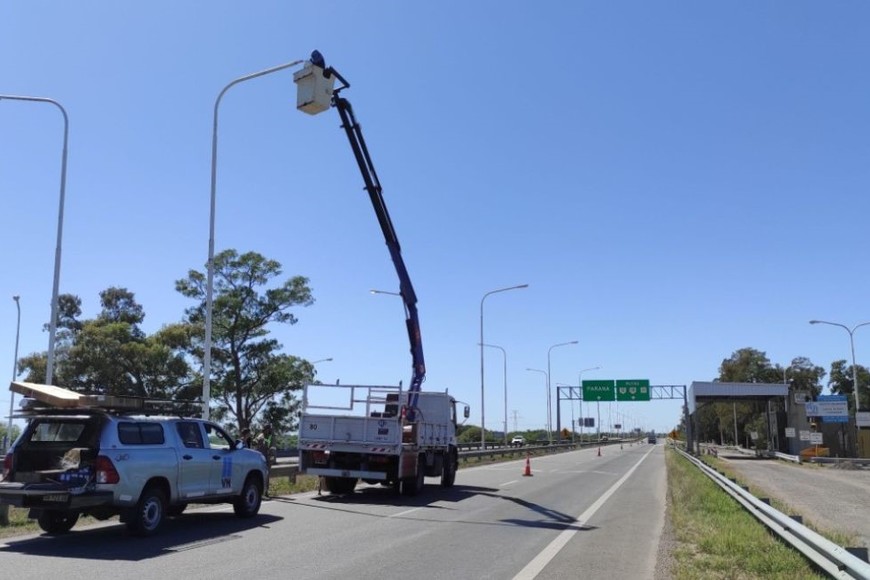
(577, 515)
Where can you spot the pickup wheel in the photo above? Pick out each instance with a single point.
(247, 504)
(148, 513)
(57, 522)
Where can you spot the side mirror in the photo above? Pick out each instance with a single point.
(466, 412)
(239, 444)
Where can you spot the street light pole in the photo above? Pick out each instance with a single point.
(482, 398)
(7, 440)
(852, 344)
(546, 384)
(580, 385)
(854, 366)
(550, 396)
(52, 325)
(206, 358)
(504, 352)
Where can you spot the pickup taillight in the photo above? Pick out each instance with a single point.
(105, 470)
(7, 465)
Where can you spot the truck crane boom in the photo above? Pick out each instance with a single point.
(373, 188)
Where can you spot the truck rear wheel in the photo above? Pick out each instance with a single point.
(57, 522)
(411, 486)
(340, 485)
(448, 474)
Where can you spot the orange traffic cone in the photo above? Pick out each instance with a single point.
(599, 452)
(528, 470)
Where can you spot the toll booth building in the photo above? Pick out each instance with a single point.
(773, 400)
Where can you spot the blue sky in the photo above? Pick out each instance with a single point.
(674, 180)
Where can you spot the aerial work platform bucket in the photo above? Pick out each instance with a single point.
(313, 89)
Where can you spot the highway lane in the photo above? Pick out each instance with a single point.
(578, 513)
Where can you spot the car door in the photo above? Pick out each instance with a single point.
(196, 462)
(225, 473)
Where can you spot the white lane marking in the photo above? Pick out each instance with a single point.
(508, 483)
(540, 561)
(406, 512)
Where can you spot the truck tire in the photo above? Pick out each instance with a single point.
(448, 474)
(148, 514)
(412, 486)
(340, 485)
(57, 522)
(247, 504)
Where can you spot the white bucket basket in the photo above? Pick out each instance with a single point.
(313, 89)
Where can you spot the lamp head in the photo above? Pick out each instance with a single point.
(815, 321)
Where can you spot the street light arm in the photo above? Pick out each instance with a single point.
(209, 303)
(560, 344)
(481, 343)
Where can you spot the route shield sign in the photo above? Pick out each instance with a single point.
(598, 391)
(632, 390)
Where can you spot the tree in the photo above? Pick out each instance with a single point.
(841, 383)
(803, 375)
(110, 354)
(249, 374)
(748, 365)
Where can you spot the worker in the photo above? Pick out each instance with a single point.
(247, 439)
(263, 444)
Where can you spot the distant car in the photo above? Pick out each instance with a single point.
(651, 438)
(518, 441)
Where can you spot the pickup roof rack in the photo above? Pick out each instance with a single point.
(40, 398)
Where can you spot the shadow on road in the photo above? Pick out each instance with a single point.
(112, 542)
(380, 495)
(384, 496)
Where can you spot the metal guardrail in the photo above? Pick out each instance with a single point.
(833, 559)
(787, 457)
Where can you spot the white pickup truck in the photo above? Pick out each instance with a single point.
(104, 456)
(373, 438)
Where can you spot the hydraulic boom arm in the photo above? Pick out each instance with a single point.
(373, 187)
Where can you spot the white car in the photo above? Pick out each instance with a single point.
(518, 441)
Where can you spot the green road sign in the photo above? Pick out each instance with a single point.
(598, 391)
(632, 390)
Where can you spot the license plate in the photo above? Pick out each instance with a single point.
(54, 497)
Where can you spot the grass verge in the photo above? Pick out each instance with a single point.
(839, 538)
(717, 538)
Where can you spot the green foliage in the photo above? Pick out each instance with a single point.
(110, 354)
(748, 365)
(841, 383)
(249, 374)
(717, 537)
(4, 442)
(468, 434)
